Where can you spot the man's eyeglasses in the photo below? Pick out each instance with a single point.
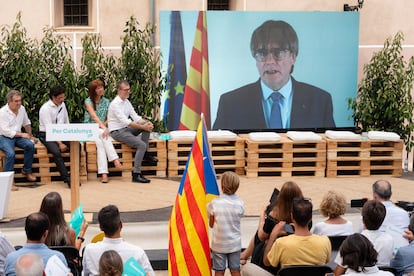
(277, 54)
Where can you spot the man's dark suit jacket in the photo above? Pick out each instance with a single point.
(242, 108)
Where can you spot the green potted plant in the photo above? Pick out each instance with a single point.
(384, 99)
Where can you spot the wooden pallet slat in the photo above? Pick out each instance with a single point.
(126, 154)
(227, 155)
(285, 158)
(363, 157)
(44, 168)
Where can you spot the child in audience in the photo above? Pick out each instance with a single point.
(360, 257)
(110, 264)
(225, 214)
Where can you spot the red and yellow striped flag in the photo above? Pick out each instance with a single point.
(188, 239)
(197, 89)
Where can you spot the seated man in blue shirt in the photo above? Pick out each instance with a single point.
(403, 261)
(36, 227)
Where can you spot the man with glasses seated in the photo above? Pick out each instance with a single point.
(276, 100)
(300, 248)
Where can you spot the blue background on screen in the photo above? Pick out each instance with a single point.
(328, 51)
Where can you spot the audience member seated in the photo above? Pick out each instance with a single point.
(60, 233)
(333, 206)
(36, 227)
(96, 110)
(110, 264)
(403, 260)
(300, 248)
(5, 248)
(110, 223)
(29, 264)
(373, 214)
(278, 210)
(359, 255)
(397, 219)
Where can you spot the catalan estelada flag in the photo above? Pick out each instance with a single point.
(197, 89)
(176, 75)
(188, 239)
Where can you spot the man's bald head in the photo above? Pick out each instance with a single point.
(29, 265)
(382, 190)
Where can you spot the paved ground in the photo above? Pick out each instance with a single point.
(146, 208)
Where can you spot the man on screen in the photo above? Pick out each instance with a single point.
(276, 100)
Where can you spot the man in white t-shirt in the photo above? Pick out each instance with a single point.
(373, 214)
(111, 224)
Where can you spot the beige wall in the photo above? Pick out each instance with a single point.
(379, 19)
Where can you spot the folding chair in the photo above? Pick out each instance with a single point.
(72, 256)
(308, 270)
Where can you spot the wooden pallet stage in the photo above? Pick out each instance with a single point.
(227, 155)
(126, 154)
(363, 158)
(285, 158)
(44, 168)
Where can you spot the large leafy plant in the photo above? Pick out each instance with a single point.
(384, 99)
(140, 65)
(33, 67)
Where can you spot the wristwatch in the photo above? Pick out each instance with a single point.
(81, 238)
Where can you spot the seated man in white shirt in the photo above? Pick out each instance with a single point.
(126, 126)
(111, 224)
(397, 219)
(373, 214)
(13, 117)
(54, 112)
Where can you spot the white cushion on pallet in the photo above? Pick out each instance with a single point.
(344, 135)
(221, 134)
(303, 136)
(182, 134)
(383, 135)
(264, 136)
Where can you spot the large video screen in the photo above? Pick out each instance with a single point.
(309, 59)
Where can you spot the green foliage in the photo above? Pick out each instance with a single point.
(384, 96)
(96, 64)
(33, 68)
(140, 65)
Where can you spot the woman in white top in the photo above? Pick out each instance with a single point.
(333, 206)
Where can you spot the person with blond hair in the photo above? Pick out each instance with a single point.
(225, 214)
(96, 111)
(333, 206)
